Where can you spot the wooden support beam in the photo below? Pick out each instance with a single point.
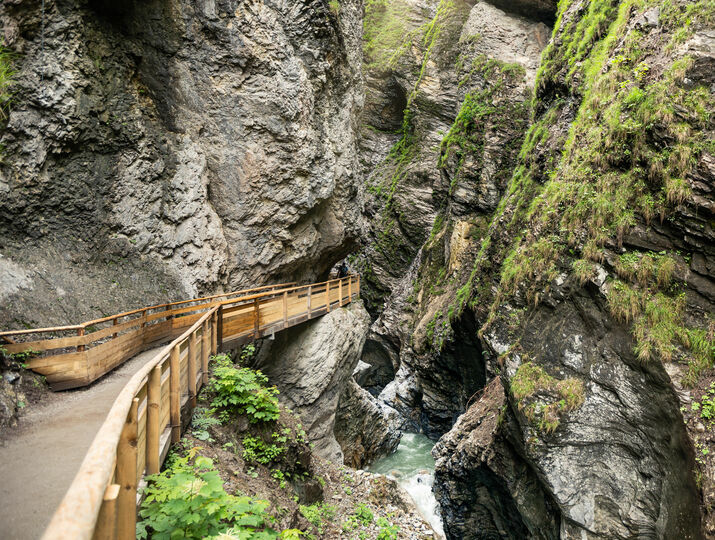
(350, 288)
(214, 332)
(205, 352)
(192, 369)
(327, 296)
(106, 527)
(310, 293)
(219, 329)
(80, 333)
(153, 415)
(285, 308)
(175, 394)
(126, 476)
(114, 323)
(256, 318)
(340, 292)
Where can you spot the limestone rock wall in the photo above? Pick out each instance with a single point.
(157, 150)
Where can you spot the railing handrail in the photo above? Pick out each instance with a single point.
(77, 514)
(101, 501)
(134, 311)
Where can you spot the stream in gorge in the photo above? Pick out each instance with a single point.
(412, 465)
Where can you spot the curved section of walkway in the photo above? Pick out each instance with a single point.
(39, 461)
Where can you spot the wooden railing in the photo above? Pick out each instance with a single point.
(156, 404)
(74, 356)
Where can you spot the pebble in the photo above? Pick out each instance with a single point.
(11, 377)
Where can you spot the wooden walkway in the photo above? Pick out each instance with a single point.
(155, 405)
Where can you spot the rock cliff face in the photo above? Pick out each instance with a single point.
(311, 365)
(566, 262)
(157, 150)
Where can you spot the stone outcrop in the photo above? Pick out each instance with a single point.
(158, 151)
(311, 364)
(365, 428)
(484, 488)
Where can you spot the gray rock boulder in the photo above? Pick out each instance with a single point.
(311, 364)
(365, 428)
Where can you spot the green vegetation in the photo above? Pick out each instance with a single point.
(240, 390)
(6, 74)
(706, 405)
(187, 500)
(334, 7)
(255, 450)
(201, 421)
(542, 398)
(588, 188)
(387, 530)
(318, 514)
(385, 33)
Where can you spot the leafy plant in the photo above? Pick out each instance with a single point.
(707, 404)
(187, 500)
(201, 421)
(240, 390)
(363, 514)
(317, 514)
(257, 451)
(387, 530)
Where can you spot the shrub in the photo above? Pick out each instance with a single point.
(187, 500)
(257, 451)
(240, 390)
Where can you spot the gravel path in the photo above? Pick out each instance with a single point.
(39, 460)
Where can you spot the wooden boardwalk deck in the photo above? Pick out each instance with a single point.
(156, 403)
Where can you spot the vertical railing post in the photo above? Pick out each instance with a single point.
(327, 296)
(153, 415)
(127, 476)
(106, 526)
(350, 288)
(219, 329)
(80, 333)
(205, 352)
(256, 318)
(192, 369)
(214, 320)
(285, 308)
(310, 292)
(175, 394)
(340, 292)
(143, 327)
(114, 323)
(358, 286)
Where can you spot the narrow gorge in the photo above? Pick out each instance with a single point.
(526, 190)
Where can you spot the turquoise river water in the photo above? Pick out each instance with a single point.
(413, 467)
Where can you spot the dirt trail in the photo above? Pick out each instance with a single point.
(40, 459)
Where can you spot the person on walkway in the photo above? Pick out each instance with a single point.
(342, 270)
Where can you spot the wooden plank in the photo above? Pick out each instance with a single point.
(152, 422)
(106, 527)
(44, 345)
(126, 477)
(110, 330)
(174, 395)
